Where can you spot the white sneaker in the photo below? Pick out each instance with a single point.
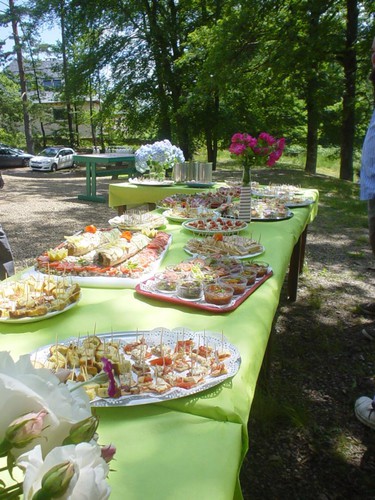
(362, 409)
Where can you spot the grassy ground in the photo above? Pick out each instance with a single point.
(305, 441)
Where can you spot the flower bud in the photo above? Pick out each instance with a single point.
(23, 430)
(82, 431)
(108, 452)
(56, 481)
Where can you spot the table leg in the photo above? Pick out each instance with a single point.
(303, 248)
(121, 209)
(88, 179)
(296, 265)
(93, 180)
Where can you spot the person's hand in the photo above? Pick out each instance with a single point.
(1, 182)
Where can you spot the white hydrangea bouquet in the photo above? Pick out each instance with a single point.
(157, 158)
(48, 440)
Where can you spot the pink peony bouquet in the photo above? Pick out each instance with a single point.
(264, 150)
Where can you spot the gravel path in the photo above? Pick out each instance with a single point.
(38, 209)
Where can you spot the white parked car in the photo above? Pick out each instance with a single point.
(51, 159)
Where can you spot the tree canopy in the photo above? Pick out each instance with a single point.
(197, 71)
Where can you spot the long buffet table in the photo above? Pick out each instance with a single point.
(190, 447)
(123, 194)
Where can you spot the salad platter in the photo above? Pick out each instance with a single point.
(145, 366)
(106, 258)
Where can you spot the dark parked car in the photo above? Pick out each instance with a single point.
(10, 157)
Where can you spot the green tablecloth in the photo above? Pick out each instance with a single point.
(193, 446)
(127, 194)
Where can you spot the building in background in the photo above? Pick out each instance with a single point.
(49, 111)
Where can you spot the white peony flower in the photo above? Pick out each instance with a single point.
(87, 482)
(25, 389)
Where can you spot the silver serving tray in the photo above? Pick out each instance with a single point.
(155, 337)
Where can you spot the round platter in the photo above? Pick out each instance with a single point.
(175, 218)
(234, 246)
(137, 222)
(33, 319)
(169, 339)
(302, 203)
(150, 183)
(193, 184)
(223, 226)
(287, 216)
(263, 195)
(238, 257)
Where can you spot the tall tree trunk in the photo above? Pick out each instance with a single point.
(157, 43)
(211, 129)
(76, 125)
(65, 72)
(93, 134)
(36, 82)
(101, 131)
(312, 105)
(348, 105)
(312, 127)
(21, 71)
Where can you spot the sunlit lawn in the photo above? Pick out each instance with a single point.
(328, 161)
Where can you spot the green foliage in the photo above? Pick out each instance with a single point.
(197, 71)
(11, 112)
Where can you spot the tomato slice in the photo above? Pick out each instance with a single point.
(54, 264)
(183, 384)
(90, 229)
(92, 269)
(164, 361)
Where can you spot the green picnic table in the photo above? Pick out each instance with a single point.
(112, 163)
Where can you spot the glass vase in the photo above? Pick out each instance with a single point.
(246, 177)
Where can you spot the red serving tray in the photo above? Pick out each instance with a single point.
(202, 305)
